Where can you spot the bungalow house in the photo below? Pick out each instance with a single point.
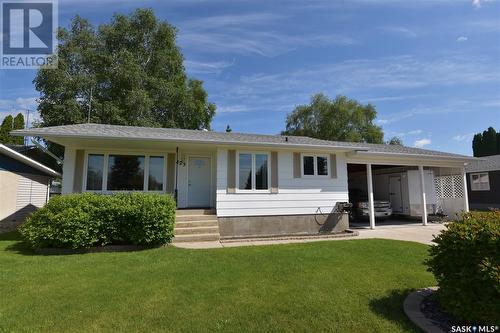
(483, 183)
(24, 187)
(255, 185)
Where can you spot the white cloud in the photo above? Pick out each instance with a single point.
(463, 137)
(206, 67)
(462, 39)
(492, 103)
(484, 25)
(403, 31)
(27, 103)
(232, 108)
(415, 132)
(400, 73)
(392, 98)
(249, 34)
(422, 143)
(478, 3)
(19, 105)
(281, 91)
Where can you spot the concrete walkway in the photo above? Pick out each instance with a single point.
(409, 232)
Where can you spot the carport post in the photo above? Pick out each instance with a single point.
(465, 195)
(371, 208)
(424, 201)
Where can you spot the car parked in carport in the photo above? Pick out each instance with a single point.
(360, 209)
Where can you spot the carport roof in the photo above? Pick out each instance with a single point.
(102, 131)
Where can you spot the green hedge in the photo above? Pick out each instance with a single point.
(84, 220)
(466, 264)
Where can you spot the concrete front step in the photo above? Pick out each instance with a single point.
(196, 230)
(183, 212)
(196, 238)
(186, 218)
(191, 224)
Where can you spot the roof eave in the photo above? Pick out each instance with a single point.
(28, 161)
(50, 137)
(458, 159)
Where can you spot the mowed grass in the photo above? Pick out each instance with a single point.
(341, 286)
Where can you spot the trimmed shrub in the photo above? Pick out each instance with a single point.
(84, 220)
(466, 264)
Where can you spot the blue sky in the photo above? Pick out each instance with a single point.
(431, 68)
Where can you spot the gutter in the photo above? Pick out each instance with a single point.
(361, 153)
(28, 161)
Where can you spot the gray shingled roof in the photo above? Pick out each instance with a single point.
(183, 135)
(486, 163)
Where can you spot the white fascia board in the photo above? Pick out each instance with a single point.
(28, 161)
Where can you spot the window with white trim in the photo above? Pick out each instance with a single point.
(253, 171)
(125, 172)
(479, 181)
(315, 165)
(95, 170)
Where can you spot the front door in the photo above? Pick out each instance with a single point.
(395, 194)
(199, 177)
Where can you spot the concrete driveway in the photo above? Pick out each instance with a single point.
(409, 232)
(414, 232)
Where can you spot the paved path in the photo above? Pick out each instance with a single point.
(410, 232)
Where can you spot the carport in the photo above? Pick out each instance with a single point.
(416, 185)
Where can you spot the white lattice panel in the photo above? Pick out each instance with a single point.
(449, 186)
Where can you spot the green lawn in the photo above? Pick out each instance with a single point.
(349, 286)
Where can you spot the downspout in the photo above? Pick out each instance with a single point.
(176, 173)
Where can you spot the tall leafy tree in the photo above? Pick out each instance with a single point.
(486, 143)
(126, 72)
(395, 141)
(340, 119)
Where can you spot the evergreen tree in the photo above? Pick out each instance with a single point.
(18, 124)
(486, 143)
(7, 126)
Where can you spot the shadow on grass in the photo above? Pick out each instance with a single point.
(18, 244)
(391, 308)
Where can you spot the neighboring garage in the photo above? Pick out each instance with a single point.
(24, 187)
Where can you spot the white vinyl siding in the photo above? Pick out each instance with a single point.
(32, 193)
(296, 195)
(32, 190)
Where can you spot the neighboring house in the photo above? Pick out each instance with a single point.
(256, 184)
(483, 182)
(24, 186)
